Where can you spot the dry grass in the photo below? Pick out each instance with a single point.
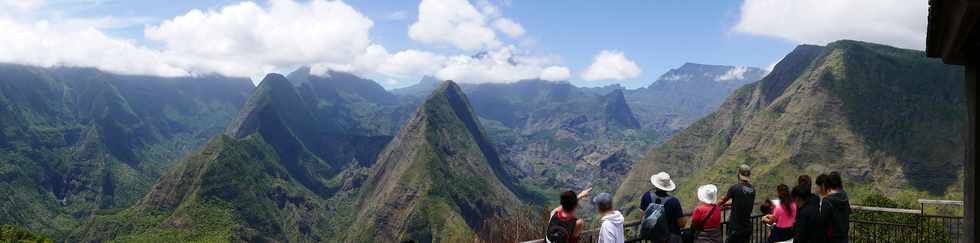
(525, 223)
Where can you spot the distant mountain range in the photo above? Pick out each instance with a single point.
(325, 131)
(264, 180)
(685, 94)
(556, 135)
(89, 156)
(270, 177)
(74, 140)
(890, 120)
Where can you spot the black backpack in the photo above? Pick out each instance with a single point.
(654, 224)
(560, 231)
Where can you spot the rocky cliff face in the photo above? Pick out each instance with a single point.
(879, 115)
(550, 133)
(617, 111)
(75, 140)
(437, 180)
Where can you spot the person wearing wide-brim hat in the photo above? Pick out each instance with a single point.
(742, 195)
(706, 217)
(673, 213)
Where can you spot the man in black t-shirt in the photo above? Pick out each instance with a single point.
(743, 197)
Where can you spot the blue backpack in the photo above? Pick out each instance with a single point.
(654, 225)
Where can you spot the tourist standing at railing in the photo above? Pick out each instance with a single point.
(782, 217)
(611, 228)
(809, 225)
(835, 207)
(672, 211)
(742, 196)
(807, 183)
(706, 217)
(563, 226)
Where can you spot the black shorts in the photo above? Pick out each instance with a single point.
(780, 234)
(739, 236)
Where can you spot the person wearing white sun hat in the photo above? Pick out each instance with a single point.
(706, 217)
(673, 213)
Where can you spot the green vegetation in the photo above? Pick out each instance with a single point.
(229, 191)
(438, 180)
(885, 226)
(890, 120)
(77, 140)
(555, 136)
(12, 234)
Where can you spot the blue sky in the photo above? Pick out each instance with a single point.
(559, 40)
(657, 35)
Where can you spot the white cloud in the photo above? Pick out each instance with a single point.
(898, 23)
(20, 5)
(469, 27)
(736, 73)
(611, 65)
(507, 64)
(772, 66)
(249, 40)
(488, 9)
(555, 73)
(453, 22)
(509, 27)
(406, 64)
(240, 38)
(49, 44)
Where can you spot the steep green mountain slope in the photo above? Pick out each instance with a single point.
(74, 140)
(265, 179)
(437, 180)
(351, 104)
(556, 135)
(890, 120)
(12, 234)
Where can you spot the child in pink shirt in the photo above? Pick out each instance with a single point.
(783, 216)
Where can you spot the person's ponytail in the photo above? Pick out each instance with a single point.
(785, 199)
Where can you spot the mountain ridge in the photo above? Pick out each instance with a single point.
(436, 176)
(77, 140)
(813, 114)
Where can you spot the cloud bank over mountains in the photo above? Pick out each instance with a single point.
(249, 39)
(891, 22)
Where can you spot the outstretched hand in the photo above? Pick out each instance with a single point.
(584, 194)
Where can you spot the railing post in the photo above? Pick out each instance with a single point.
(922, 217)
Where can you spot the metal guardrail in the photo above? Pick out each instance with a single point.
(860, 230)
(940, 202)
(887, 210)
(632, 231)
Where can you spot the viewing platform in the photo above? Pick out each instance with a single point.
(867, 225)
